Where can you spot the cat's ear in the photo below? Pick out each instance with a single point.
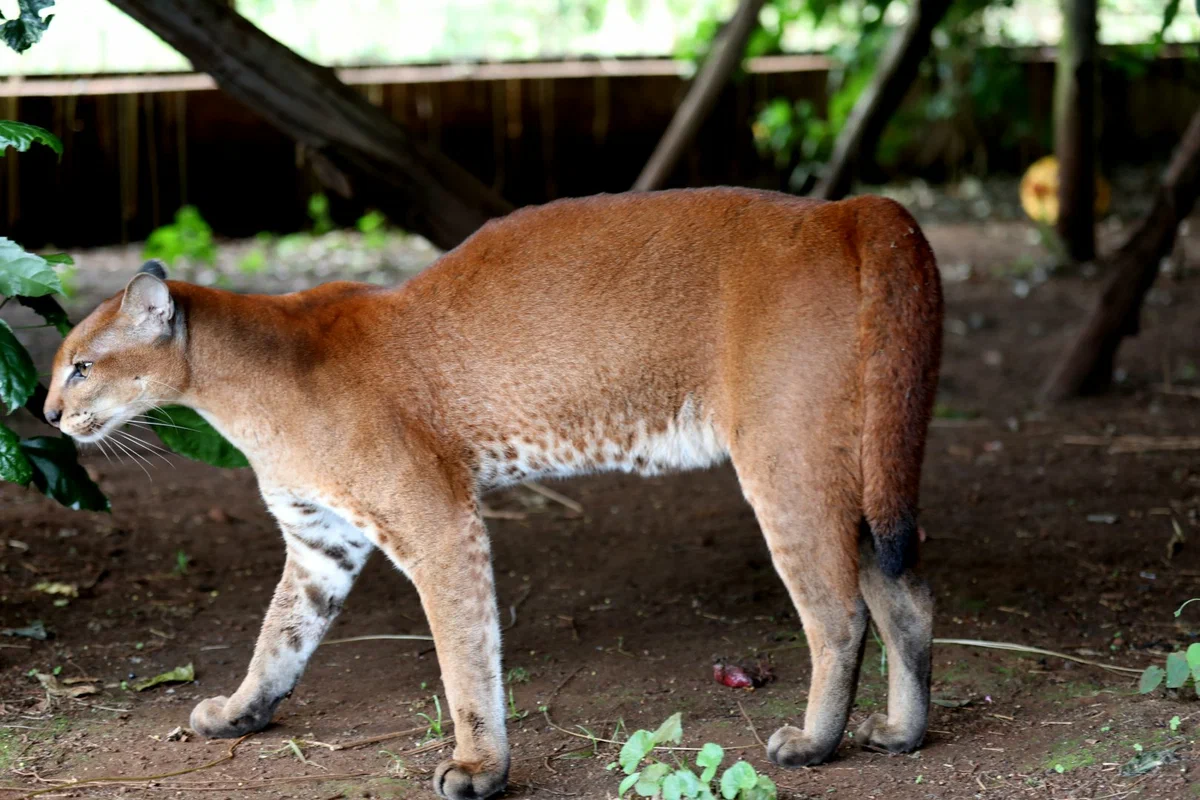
(148, 302)
(154, 267)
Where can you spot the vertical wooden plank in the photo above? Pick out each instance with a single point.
(152, 131)
(499, 136)
(127, 159)
(546, 117)
(181, 144)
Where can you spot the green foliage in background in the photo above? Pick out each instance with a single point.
(649, 777)
(974, 91)
(189, 237)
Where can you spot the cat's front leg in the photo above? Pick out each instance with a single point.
(322, 564)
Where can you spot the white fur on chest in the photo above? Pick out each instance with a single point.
(688, 440)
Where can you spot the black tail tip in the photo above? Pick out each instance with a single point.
(896, 544)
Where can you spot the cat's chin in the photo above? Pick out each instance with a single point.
(97, 433)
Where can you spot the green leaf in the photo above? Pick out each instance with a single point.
(652, 778)
(1177, 670)
(184, 674)
(14, 466)
(23, 32)
(1150, 679)
(671, 731)
(710, 758)
(764, 789)
(187, 433)
(1193, 660)
(48, 309)
(59, 258)
(18, 376)
(671, 788)
(637, 747)
(689, 784)
(23, 274)
(23, 136)
(738, 777)
(57, 473)
(1169, 12)
(627, 783)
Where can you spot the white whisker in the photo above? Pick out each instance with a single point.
(130, 452)
(154, 424)
(143, 443)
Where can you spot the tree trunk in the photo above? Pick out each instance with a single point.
(1087, 366)
(879, 100)
(357, 149)
(722, 60)
(1074, 134)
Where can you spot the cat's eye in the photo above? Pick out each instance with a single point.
(82, 368)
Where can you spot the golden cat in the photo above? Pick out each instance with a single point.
(641, 332)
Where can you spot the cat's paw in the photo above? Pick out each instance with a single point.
(456, 781)
(217, 718)
(792, 747)
(877, 733)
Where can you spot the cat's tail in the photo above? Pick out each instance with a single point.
(900, 336)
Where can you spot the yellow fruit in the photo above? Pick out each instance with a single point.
(1039, 191)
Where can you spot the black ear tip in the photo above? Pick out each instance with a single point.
(156, 268)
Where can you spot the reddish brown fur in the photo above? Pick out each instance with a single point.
(643, 332)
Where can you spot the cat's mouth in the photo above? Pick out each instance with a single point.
(90, 428)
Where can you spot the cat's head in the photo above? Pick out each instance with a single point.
(125, 358)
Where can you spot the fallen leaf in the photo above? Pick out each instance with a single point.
(54, 688)
(184, 674)
(950, 702)
(1148, 761)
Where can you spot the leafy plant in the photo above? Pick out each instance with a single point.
(318, 212)
(373, 227)
(49, 463)
(189, 237)
(649, 777)
(1180, 666)
(187, 433)
(27, 28)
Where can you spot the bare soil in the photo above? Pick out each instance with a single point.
(616, 614)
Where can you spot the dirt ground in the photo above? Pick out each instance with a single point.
(616, 614)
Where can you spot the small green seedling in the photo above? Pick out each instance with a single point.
(182, 560)
(513, 713)
(435, 723)
(656, 779)
(1175, 723)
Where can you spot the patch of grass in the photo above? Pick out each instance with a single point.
(9, 747)
(1070, 755)
(783, 708)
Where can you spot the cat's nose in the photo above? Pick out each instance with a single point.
(53, 415)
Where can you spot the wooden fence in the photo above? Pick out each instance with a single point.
(138, 147)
